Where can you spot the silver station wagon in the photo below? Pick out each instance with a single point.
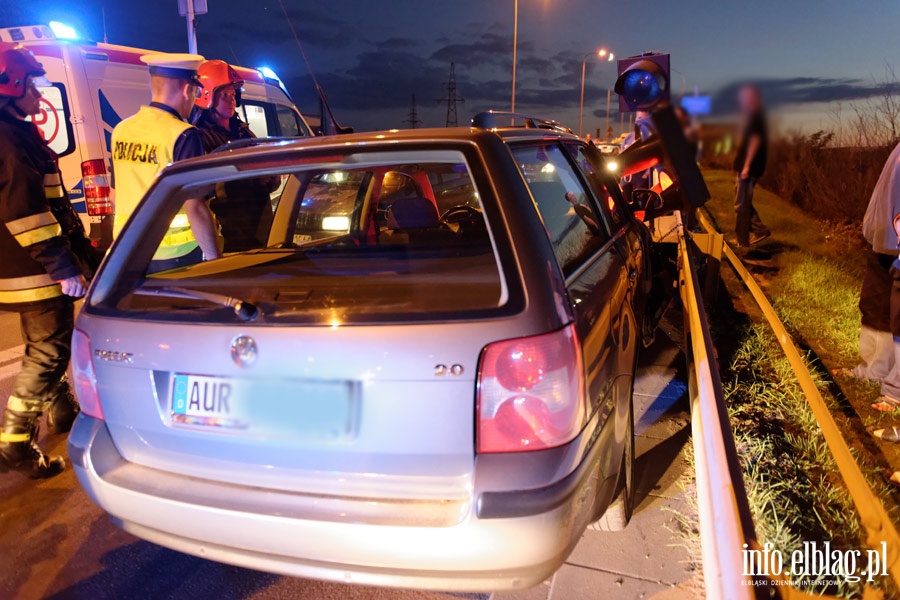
(413, 368)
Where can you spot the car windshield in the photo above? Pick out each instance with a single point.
(358, 238)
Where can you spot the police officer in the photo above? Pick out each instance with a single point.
(39, 275)
(238, 205)
(143, 144)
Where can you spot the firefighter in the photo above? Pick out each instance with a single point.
(40, 276)
(217, 117)
(143, 144)
(238, 205)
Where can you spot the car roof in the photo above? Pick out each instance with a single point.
(265, 146)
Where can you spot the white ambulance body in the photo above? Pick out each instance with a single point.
(94, 86)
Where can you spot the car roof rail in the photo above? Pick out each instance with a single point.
(488, 120)
(252, 142)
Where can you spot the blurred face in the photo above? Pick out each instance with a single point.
(748, 98)
(189, 92)
(30, 103)
(225, 101)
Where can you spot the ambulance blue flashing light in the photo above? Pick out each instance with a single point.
(63, 31)
(268, 73)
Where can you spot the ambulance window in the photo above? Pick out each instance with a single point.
(53, 120)
(255, 116)
(290, 123)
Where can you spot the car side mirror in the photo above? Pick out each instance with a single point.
(646, 200)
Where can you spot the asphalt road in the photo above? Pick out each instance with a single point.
(55, 543)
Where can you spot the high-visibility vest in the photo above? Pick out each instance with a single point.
(142, 145)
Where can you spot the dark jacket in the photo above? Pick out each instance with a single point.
(214, 135)
(38, 220)
(238, 205)
(754, 127)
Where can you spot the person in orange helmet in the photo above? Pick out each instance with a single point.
(238, 205)
(217, 117)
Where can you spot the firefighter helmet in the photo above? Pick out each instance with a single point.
(215, 74)
(16, 64)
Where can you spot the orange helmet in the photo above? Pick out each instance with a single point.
(16, 64)
(213, 75)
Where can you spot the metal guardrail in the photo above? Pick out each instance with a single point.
(721, 497)
(725, 523)
(874, 518)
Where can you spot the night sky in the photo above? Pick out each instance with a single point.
(809, 56)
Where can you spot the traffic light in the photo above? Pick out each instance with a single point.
(643, 82)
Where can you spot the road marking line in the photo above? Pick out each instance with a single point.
(14, 353)
(10, 370)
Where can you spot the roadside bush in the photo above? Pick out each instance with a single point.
(831, 183)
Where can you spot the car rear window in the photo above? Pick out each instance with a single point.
(368, 237)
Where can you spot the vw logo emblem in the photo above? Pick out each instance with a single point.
(243, 351)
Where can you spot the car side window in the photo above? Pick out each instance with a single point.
(567, 208)
(601, 184)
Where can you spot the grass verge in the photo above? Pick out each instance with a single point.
(793, 488)
(813, 278)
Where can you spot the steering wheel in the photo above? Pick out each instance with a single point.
(460, 215)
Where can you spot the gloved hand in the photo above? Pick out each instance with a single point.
(74, 286)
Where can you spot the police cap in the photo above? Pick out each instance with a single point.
(175, 66)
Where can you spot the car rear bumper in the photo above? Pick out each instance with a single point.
(258, 528)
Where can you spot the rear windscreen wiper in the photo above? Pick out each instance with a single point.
(246, 311)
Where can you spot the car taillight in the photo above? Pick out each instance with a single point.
(530, 393)
(83, 375)
(96, 188)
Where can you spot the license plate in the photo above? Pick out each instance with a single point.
(308, 410)
(205, 401)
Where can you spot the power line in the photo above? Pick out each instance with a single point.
(452, 99)
(413, 118)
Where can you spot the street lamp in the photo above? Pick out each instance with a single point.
(601, 53)
(515, 44)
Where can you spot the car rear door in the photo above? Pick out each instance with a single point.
(630, 249)
(591, 260)
(358, 377)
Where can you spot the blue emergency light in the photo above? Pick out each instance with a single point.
(63, 31)
(268, 73)
(643, 82)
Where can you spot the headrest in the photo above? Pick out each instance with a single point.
(412, 213)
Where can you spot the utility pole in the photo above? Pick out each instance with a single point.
(608, 130)
(191, 28)
(452, 99)
(413, 119)
(189, 9)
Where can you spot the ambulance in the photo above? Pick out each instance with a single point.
(96, 85)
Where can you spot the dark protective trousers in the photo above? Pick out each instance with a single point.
(747, 219)
(875, 301)
(878, 303)
(47, 333)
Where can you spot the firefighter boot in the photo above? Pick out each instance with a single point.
(62, 410)
(19, 450)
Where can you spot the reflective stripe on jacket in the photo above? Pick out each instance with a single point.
(34, 248)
